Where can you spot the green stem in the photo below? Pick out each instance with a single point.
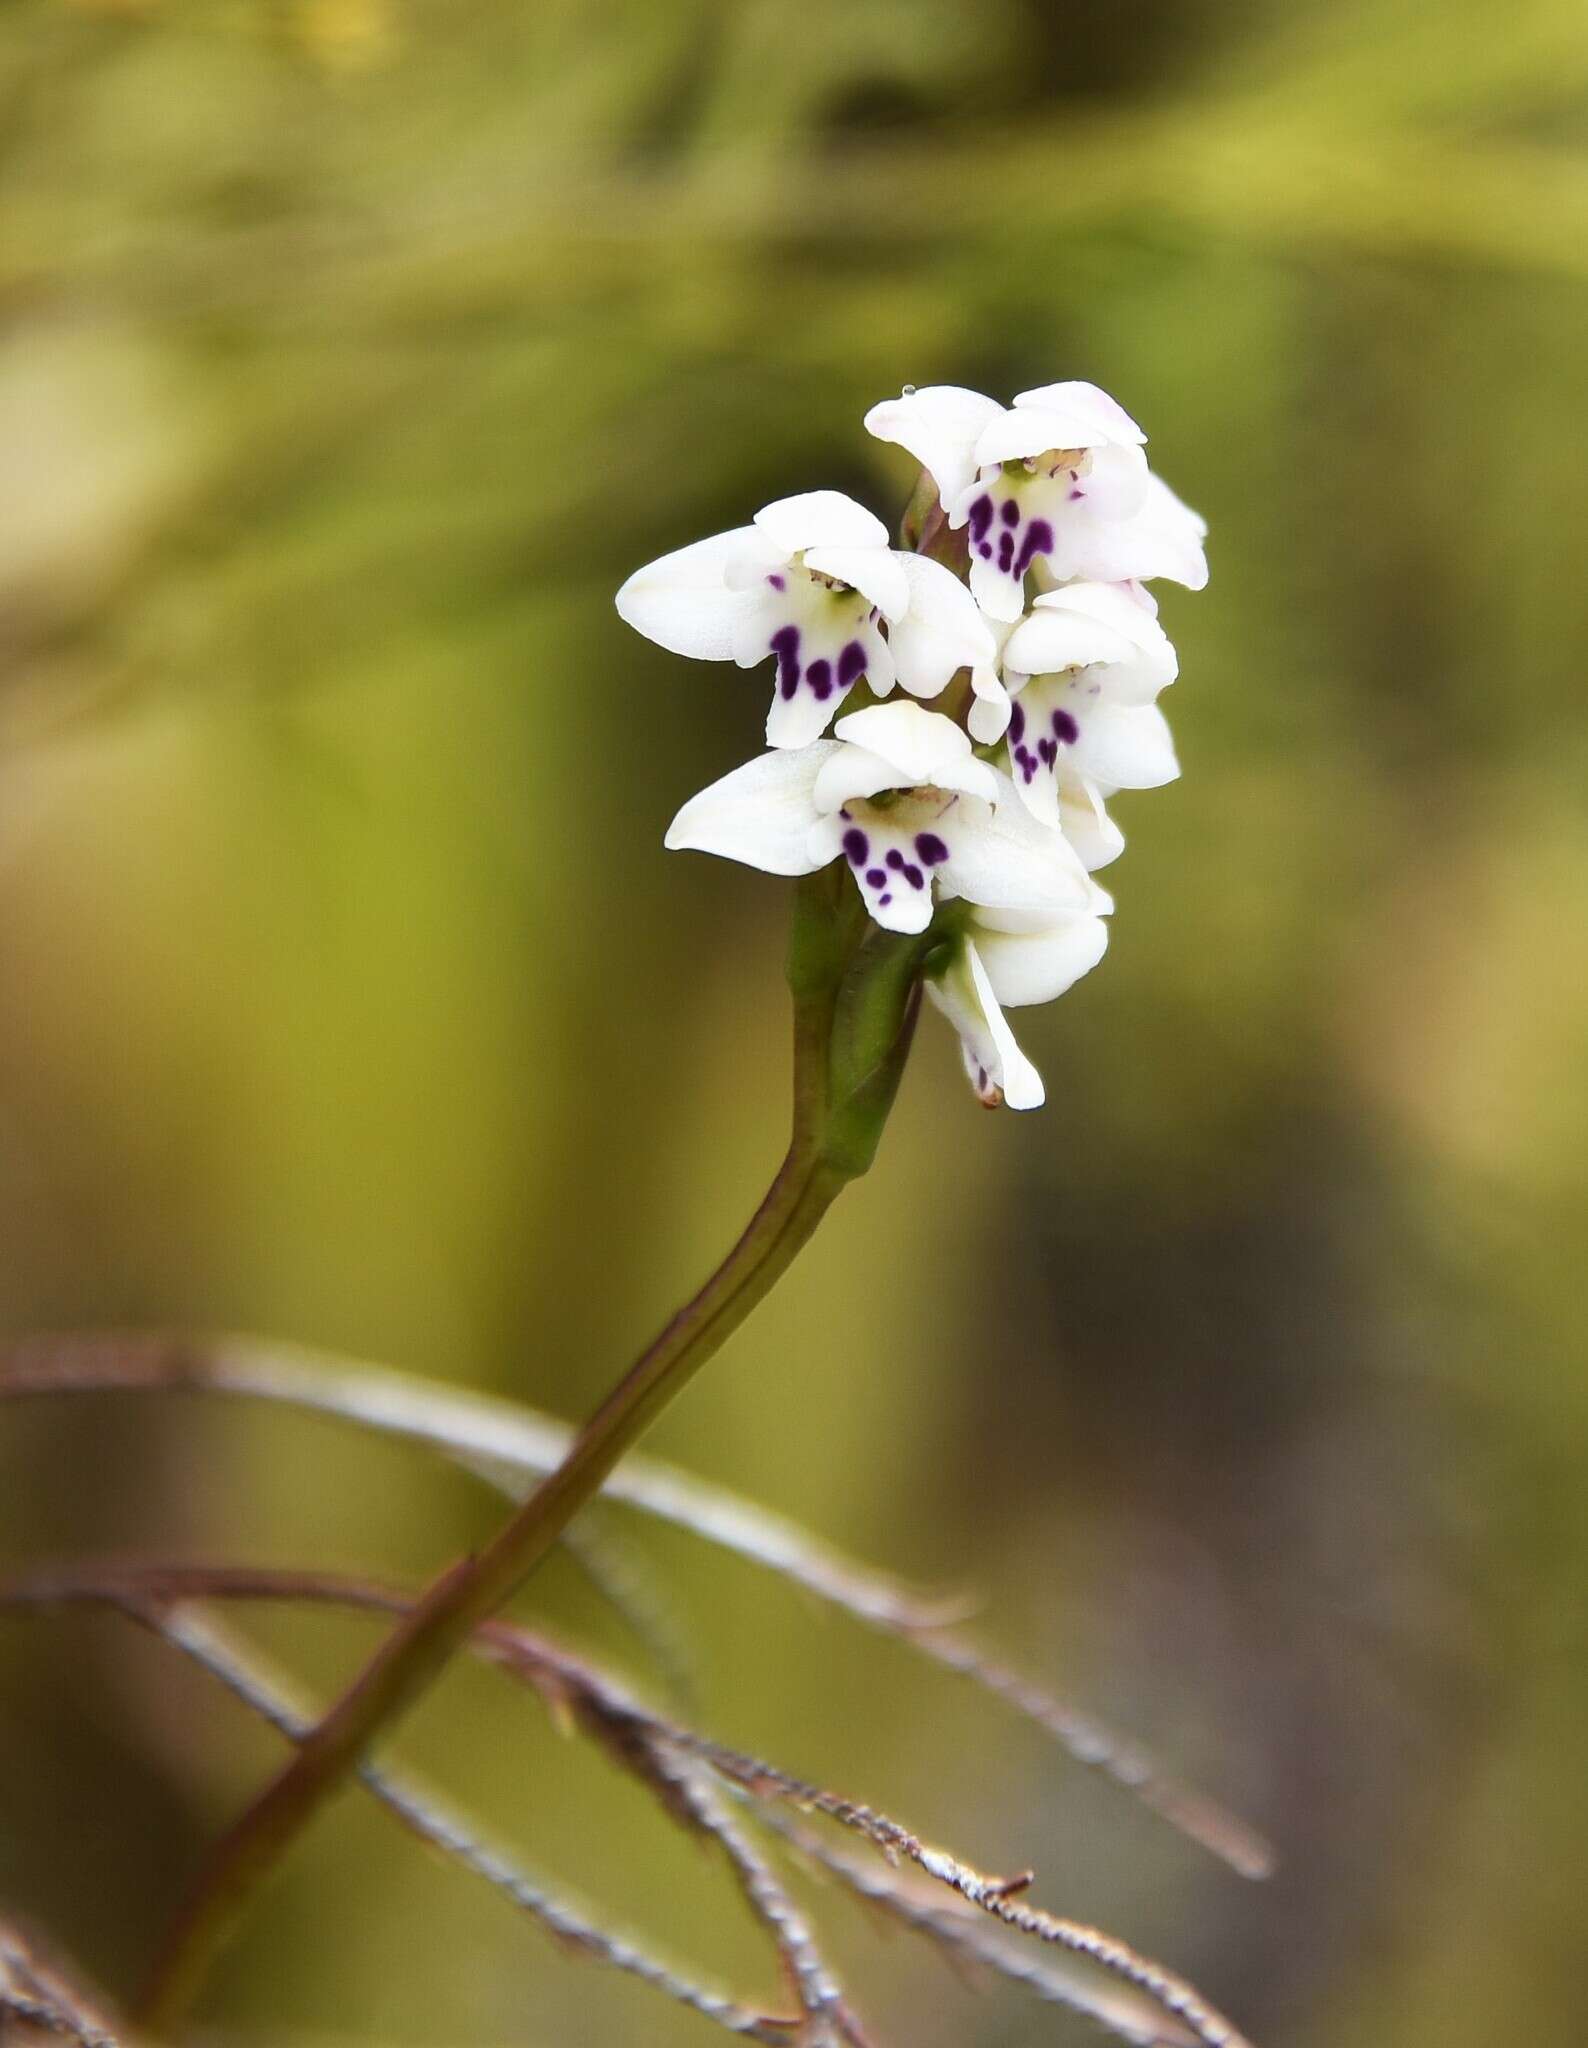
(863, 999)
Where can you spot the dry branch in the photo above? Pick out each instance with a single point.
(510, 1445)
(630, 1731)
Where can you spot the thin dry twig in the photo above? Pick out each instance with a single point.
(34, 1991)
(965, 1933)
(508, 1444)
(691, 1794)
(596, 1703)
(187, 1629)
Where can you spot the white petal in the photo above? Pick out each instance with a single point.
(682, 600)
(1046, 642)
(1071, 722)
(998, 1069)
(1163, 539)
(1105, 417)
(1124, 746)
(1114, 483)
(1005, 859)
(761, 814)
(938, 425)
(874, 572)
(1023, 923)
(1082, 624)
(941, 632)
(1034, 967)
(1085, 823)
(852, 772)
(1127, 607)
(821, 519)
(925, 748)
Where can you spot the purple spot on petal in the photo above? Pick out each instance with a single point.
(981, 516)
(984, 549)
(876, 877)
(1017, 724)
(785, 643)
(1038, 541)
(1049, 750)
(1066, 728)
(1076, 493)
(1010, 515)
(931, 849)
(777, 582)
(895, 859)
(884, 901)
(914, 877)
(851, 664)
(820, 677)
(856, 846)
(1006, 551)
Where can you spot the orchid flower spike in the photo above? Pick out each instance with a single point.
(1059, 478)
(813, 583)
(974, 827)
(899, 795)
(1005, 957)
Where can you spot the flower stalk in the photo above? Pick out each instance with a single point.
(948, 852)
(855, 1002)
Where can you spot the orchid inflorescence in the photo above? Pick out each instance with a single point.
(1020, 613)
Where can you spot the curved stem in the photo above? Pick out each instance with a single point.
(422, 1644)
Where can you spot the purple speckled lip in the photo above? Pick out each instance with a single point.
(882, 875)
(817, 675)
(1018, 543)
(1045, 753)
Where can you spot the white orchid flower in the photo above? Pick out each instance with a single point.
(1058, 478)
(898, 795)
(1001, 958)
(1084, 668)
(814, 584)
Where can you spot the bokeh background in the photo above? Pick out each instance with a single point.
(351, 351)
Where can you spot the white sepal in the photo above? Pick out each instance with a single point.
(761, 814)
(877, 573)
(939, 426)
(683, 601)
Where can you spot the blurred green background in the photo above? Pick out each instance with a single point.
(351, 352)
